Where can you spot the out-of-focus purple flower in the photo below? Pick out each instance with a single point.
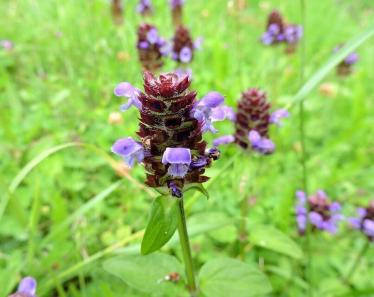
(185, 55)
(144, 7)
(322, 214)
(351, 59)
(179, 160)
(278, 115)
(6, 44)
(182, 72)
(223, 140)
(198, 43)
(26, 288)
(293, 34)
(152, 36)
(260, 144)
(204, 110)
(129, 150)
(125, 89)
(364, 221)
(345, 67)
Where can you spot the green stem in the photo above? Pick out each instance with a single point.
(186, 249)
(356, 263)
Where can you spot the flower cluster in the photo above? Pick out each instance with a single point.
(144, 7)
(151, 47)
(364, 221)
(252, 122)
(319, 211)
(117, 12)
(277, 31)
(183, 45)
(176, 9)
(26, 288)
(345, 67)
(171, 125)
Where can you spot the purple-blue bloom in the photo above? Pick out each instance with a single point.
(144, 7)
(223, 140)
(125, 89)
(185, 55)
(260, 144)
(351, 59)
(364, 221)
(293, 33)
(129, 150)
(179, 160)
(278, 115)
(152, 36)
(26, 288)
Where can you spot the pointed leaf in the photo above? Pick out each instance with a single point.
(162, 224)
(197, 187)
(147, 273)
(272, 239)
(229, 277)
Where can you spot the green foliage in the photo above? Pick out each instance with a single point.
(229, 277)
(162, 223)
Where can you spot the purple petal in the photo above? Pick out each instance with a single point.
(220, 113)
(177, 155)
(322, 195)
(301, 221)
(178, 170)
(223, 140)
(129, 149)
(152, 36)
(254, 137)
(351, 59)
(198, 43)
(143, 45)
(278, 115)
(185, 55)
(329, 226)
(301, 196)
(368, 227)
(361, 212)
(355, 222)
(335, 207)
(301, 210)
(27, 286)
(273, 29)
(316, 219)
(212, 100)
(267, 38)
(124, 89)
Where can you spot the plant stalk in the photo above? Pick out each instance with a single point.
(356, 263)
(186, 249)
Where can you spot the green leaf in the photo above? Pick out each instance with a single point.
(229, 277)
(331, 63)
(272, 239)
(198, 187)
(162, 224)
(146, 273)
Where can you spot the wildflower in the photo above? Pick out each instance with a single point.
(183, 45)
(171, 147)
(364, 221)
(6, 45)
(144, 7)
(151, 47)
(318, 210)
(26, 288)
(125, 89)
(345, 67)
(176, 9)
(117, 11)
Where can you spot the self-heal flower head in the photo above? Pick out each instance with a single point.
(125, 89)
(129, 150)
(345, 67)
(144, 7)
(26, 288)
(364, 221)
(171, 147)
(183, 46)
(151, 47)
(179, 160)
(318, 211)
(274, 29)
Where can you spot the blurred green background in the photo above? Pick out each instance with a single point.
(74, 209)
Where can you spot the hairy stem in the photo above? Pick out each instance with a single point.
(186, 249)
(356, 263)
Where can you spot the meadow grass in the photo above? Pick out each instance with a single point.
(73, 210)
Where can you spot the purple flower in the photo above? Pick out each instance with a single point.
(335, 207)
(351, 59)
(152, 36)
(144, 7)
(267, 38)
(198, 43)
(143, 45)
(165, 48)
(129, 150)
(26, 288)
(179, 160)
(6, 44)
(204, 110)
(301, 222)
(293, 33)
(368, 226)
(316, 219)
(278, 115)
(223, 140)
(125, 89)
(260, 144)
(301, 196)
(355, 222)
(176, 3)
(185, 55)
